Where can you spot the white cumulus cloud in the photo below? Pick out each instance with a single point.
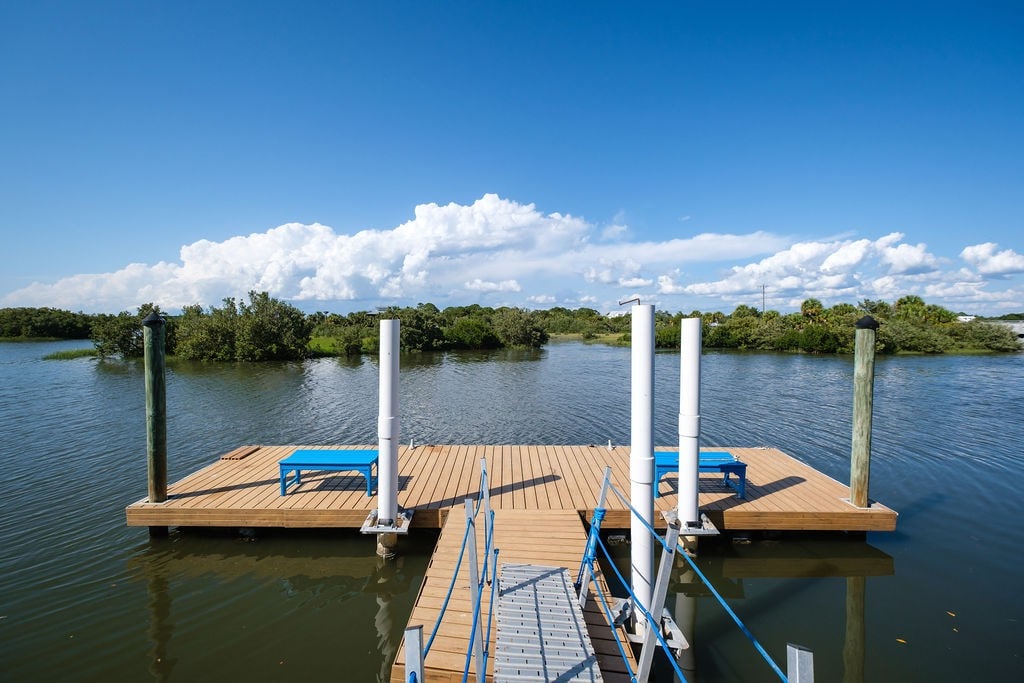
(988, 261)
(498, 251)
(833, 271)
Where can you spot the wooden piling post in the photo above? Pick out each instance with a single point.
(156, 407)
(863, 398)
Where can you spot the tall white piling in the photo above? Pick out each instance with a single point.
(387, 435)
(641, 458)
(689, 421)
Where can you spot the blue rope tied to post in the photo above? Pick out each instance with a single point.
(451, 588)
(484, 579)
(611, 620)
(589, 553)
(647, 615)
(479, 607)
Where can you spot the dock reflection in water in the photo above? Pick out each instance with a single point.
(286, 597)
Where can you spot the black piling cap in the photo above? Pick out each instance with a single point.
(867, 323)
(152, 319)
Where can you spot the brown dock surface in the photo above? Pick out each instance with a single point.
(242, 489)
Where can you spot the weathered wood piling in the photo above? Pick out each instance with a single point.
(863, 400)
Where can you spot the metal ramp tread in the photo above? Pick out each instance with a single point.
(541, 632)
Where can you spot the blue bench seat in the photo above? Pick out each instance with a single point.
(708, 461)
(362, 461)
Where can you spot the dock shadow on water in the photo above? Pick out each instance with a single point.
(269, 605)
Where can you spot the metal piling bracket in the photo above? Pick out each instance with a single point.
(400, 525)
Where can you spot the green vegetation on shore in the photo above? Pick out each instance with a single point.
(264, 328)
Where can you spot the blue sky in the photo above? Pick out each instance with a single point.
(348, 155)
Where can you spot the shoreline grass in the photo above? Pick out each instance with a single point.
(71, 354)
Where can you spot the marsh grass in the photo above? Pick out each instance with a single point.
(70, 354)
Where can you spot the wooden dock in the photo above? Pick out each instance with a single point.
(241, 489)
(542, 497)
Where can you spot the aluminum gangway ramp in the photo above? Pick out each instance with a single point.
(542, 635)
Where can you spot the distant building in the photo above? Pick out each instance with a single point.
(966, 318)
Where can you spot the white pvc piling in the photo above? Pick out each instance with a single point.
(689, 420)
(641, 458)
(388, 425)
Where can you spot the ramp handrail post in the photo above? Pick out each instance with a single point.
(485, 487)
(485, 494)
(474, 587)
(799, 664)
(658, 603)
(414, 652)
(590, 553)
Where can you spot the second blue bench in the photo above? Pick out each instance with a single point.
(709, 461)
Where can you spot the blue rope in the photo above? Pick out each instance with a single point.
(589, 554)
(725, 605)
(451, 588)
(476, 618)
(653, 623)
(638, 516)
(490, 608)
(735, 618)
(472, 639)
(611, 620)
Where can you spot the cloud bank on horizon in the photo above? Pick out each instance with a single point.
(498, 251)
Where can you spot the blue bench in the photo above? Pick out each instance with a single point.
(363, 462)
(709, 461)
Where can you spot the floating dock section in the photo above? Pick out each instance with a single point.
(242, 489)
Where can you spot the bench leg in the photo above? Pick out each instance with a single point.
(368, 473)
(285, 483)
(741, 481)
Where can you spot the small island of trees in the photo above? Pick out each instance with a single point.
(264, 328)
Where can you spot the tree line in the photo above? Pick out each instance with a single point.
(265, 328)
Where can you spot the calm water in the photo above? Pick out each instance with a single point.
(83, 597)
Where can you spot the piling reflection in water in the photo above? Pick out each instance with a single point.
(161, 628)
(324, 583)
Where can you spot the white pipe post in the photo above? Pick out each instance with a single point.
(686, 620)
(689, 421)
(641, 457)
(388, 425)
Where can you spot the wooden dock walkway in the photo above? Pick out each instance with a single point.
(241, 489)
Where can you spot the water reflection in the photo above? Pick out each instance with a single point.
(775, 587)
(325, 583)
